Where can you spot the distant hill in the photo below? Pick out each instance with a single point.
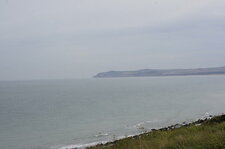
(162, 72)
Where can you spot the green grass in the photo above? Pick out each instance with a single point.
(209, 135)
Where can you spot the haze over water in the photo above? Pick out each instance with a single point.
(50, 114)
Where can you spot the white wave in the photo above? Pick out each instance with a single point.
(83, 146)
(154, 121)
(207, 115)
(120, 137)
(138, 125)
(101, 134)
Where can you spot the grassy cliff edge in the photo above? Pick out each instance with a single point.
(202, 134)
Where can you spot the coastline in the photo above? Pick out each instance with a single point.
(110, 143)
(161, 72)
(210, 129)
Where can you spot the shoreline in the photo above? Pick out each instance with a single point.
(175, 126)
(209, 123)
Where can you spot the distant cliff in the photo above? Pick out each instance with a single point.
(161, 72)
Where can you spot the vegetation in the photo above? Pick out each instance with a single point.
(202, 134)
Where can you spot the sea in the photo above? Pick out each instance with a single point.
(75, 113)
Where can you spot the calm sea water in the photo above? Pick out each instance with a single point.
(52, 114)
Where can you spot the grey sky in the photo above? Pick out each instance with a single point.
(49, 39)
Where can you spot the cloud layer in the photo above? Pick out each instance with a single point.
(50, 39)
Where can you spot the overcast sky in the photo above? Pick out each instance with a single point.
(50, 39)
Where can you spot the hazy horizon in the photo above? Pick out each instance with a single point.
(55, 39)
